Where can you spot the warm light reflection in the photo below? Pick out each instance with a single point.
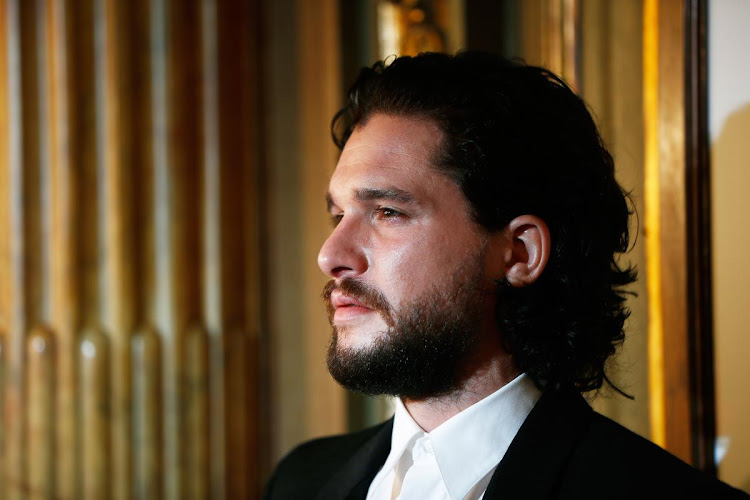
(408, 27)
(657, 399)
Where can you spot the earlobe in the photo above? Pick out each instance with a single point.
(529, 251)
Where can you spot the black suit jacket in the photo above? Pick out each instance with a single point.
(563, 450)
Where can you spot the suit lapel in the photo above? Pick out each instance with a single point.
(530, 469)
(353, 480)
(537, 456)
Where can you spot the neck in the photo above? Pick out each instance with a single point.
(485, 378)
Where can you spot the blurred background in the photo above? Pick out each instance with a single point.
(163, 166)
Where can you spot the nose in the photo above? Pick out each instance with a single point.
(342, 255)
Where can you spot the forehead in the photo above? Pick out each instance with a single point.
(389, 150)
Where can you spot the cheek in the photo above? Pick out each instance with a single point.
(397, 270)
(426, 260)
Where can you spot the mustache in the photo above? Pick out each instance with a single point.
(368, 295)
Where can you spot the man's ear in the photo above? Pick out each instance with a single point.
(527, 249)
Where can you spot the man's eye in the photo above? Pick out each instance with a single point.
(388, 213)
(336, 218)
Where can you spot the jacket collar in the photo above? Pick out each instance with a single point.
(353, 480)
(540, 451)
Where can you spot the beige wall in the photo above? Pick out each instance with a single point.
(611, 84)
(729, 74)
(302, 85)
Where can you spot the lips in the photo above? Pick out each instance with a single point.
(346, 307)
(338, 299)
(351, 300)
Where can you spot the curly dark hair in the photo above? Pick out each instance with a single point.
(519, 141)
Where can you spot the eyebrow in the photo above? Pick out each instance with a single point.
(369, 194)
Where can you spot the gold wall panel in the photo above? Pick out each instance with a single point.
(666, 226)
(611, 84)
(129, 249)
(551, 36)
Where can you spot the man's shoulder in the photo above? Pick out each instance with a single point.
(612, 456)
(327, 450)
(307, 467)
(570, 451)
(624, 448)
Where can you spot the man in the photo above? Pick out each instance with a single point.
(474, 276)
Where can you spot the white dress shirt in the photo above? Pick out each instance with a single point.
(457, 459)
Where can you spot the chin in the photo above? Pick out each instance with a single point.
(356, 338)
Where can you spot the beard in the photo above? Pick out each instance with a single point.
(426, 346)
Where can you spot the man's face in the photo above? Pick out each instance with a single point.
(407, 262)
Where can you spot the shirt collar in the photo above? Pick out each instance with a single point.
(470, 444)
(405, 432)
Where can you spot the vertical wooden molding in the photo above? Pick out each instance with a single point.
(666, 229)
(196, 413)
(673, 236)
(30, 187)
(40, 425)
(6, 292)
(212, 232)
(13, 265)
(163, 313)
(237, 357)
(44, 186)
(184, 148)
(147, 414)
(3, 388)
(255, 255)
(699, 258)
(115, 232)
(95, 415)
(63, 275)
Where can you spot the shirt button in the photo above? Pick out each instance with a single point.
(420, 448)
